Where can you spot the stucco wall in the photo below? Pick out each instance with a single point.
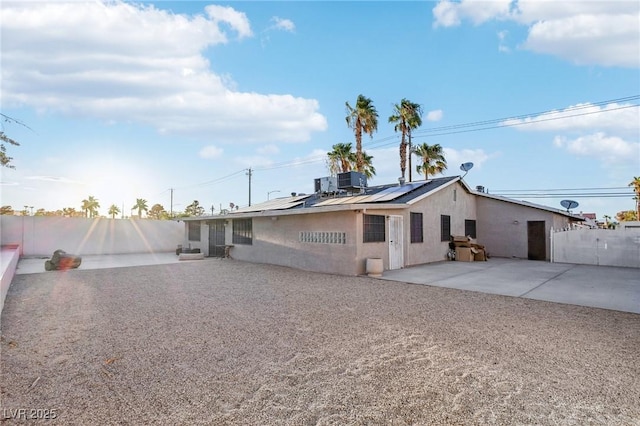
(42, 235)
(453, 201)
(502, 227)
(276, 240)
(606, 247)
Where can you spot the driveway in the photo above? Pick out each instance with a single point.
(584, 285)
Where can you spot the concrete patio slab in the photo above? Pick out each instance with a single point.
(584, 285)
(34, 265)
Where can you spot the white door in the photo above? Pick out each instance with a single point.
(396, 256)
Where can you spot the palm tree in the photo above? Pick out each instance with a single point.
(141, 204)
(362, 118)
(113, 211)
(367, 166)
(635, 183)
(341, 159)
(432, 158)
(407, 116)
(90, 206)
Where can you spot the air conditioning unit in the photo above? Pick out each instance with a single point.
(326, 184)
(351, 180)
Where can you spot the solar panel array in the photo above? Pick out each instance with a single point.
(275, 204)
(387, 194)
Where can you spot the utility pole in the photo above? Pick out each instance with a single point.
(410, 154)
(171, 189)
(249, 174)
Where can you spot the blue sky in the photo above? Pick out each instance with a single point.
(128, 100)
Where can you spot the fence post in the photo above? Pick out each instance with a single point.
(551, 243)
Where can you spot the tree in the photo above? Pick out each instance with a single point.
(70, 212)
(5, 160)
(158, 212)
(194, 209)
(90, 206)
(432, 159)
(626, 216)
(341, 159)
(635, 183)
(113, 211)
(8, 210)
(141, 204)
(361, 118)
(407, 116)
(367, 167)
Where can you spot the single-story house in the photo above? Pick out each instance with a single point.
(406, 224)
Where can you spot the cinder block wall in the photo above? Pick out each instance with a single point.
(604, 247)
(42, 235)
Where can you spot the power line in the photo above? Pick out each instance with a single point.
(447, 130)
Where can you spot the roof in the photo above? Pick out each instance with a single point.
(390, 196)
(529, 204)
(374, 195)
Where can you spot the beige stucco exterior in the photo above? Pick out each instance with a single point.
(501, 226)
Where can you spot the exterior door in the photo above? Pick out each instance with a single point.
(216, 238)
(396, 243)
(536, 240)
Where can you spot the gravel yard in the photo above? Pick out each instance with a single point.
(226, 342)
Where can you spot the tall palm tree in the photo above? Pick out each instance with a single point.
(341, 158)
(113, 211)
(361, 118)
(90, 206)
(407, 116)
(141, 204)
(432, 159)
(635, 183)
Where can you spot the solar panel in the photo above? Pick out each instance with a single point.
(387, 194)
(275, 204)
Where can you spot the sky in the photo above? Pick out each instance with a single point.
(173, 102)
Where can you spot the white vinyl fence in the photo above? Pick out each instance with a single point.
(42, 235)
(606, 247)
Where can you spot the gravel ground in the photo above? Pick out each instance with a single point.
(227, 342)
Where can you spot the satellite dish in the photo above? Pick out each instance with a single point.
(465, 167)
(569, 204)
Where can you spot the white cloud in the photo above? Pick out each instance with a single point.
(270, 149)
(456, 157)
(609, 149)
(57, 179)
(450, 14)
(435, 115)
(210, 152)
(283, 24)
(502, 37)
(121, 62)
(237, 20)
(583, 32)
(614, 116)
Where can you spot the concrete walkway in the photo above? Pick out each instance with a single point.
(34, 265)
(585, 285)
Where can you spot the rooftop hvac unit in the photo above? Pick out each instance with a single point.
(351, 180)
(326, 184)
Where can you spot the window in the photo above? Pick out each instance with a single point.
(242, 231)
(445, 228)
(373, 228)
(194, 231)
(470, 228)
(416, 227)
